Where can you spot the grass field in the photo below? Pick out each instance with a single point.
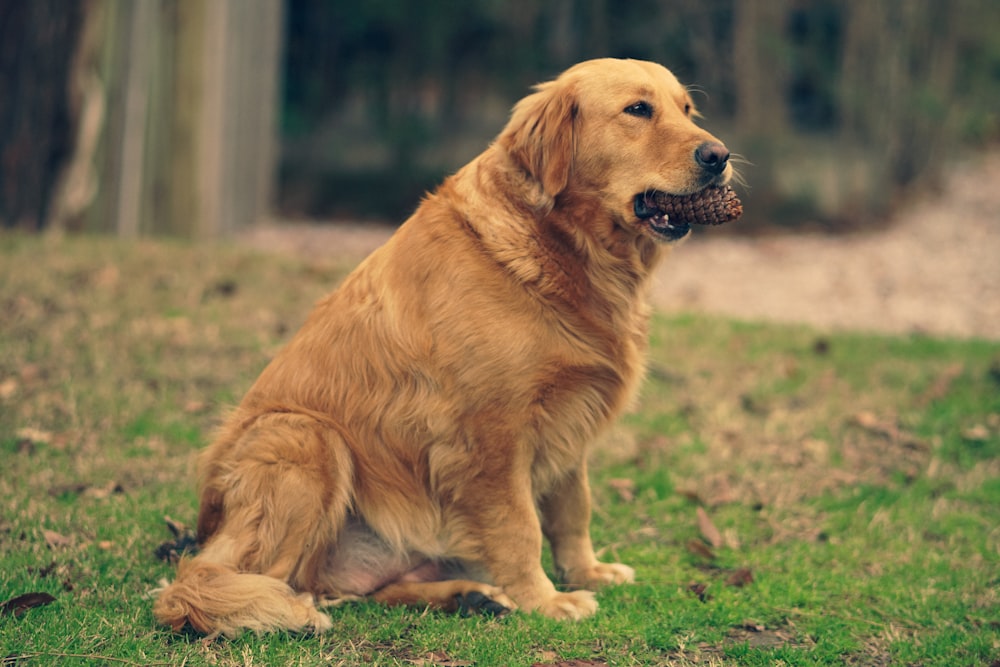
(787, 497)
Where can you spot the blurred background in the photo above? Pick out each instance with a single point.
(197, 118)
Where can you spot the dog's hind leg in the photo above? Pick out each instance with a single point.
(451, 595)
(281, 491)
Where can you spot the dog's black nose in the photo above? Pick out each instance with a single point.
(712, 156)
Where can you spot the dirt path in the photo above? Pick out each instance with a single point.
(935, 270)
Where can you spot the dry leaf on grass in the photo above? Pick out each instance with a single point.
(439, 659)
(700, 591)
(37, 436)
(30, 373)
(941, 385)
(977, 433)
(625, 488)
(699, 548)
(106, 491)
(83, 489)
(22, 603)
(195, 407)
(56, 540)
(740, 578)
(708, 530)
(8, 388)
(690, 495)
(546, 657)
(886, 428)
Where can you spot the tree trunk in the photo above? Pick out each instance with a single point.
(159, 119)
(197, 144)
(37, 41)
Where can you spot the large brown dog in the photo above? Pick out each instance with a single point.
(429, 423)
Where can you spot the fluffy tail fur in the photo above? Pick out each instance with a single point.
(274, 495)
(215, 599)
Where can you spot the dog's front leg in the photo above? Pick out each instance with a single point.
(566, 523)
(505, 537)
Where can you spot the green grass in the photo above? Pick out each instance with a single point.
(854, 480)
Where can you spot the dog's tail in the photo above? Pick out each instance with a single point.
(216, 599)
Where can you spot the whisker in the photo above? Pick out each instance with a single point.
(698, 89)
(739, 159)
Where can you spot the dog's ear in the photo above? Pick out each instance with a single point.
(541, 135)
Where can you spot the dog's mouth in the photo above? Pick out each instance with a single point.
(658, 221)
(669, 217)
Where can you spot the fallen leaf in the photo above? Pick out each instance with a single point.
(194, 407)
(8, 388)
(888, 429)
(690, 495)
(700, 591)
(941, 385)
(699, 548)
(67, 490)
(708, 529)
(225, 288)
(22, 603)
(740, 578)
(43, 571)
(34, 435)
(546, 657)
(101, 492)
(29, 373)
(625, 488)
(721, 492)
(977, 433)
(732, 539)
(107, 277)
(440, 659)
(867, 420)
(55, 540)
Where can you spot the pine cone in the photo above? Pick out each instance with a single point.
(711, 206)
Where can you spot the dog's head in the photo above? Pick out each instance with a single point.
(619, 130)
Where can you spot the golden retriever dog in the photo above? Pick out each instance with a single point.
(429, 424)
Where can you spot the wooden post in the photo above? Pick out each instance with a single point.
(189, 144)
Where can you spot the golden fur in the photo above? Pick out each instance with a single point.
(429, 423)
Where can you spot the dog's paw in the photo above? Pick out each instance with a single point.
(602, 574)
(320, 623)
(569, 606)
(312, 619)
(489, 601)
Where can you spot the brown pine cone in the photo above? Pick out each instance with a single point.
(711, 206)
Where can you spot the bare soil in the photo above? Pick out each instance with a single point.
(933, 269)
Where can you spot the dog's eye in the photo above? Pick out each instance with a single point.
(687, 108)
(640, 109)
